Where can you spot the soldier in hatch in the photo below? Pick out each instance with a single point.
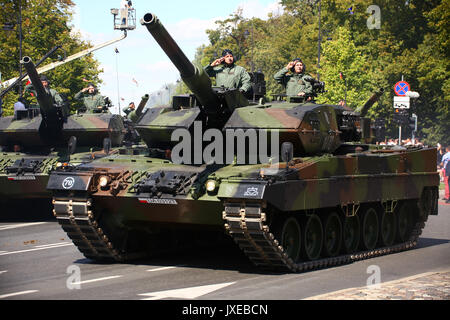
(93, 101)
(294, 79)
(56, 97)
(228, 74)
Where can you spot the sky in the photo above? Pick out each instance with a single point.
(140, 57)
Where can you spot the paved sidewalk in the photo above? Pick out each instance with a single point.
(425, 286)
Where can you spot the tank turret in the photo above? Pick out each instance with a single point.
(50, 125)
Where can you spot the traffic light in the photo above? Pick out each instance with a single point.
(380, 129)
(413, 122)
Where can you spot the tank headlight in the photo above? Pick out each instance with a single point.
(103, 181)
(59, 164)
(211, 185)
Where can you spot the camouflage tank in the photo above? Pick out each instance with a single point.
(36, 140)
(332, 199)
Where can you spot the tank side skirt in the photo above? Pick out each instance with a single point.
(320, 193)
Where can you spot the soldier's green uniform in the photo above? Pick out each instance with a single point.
(230, 76)
(127, 111)
(56, 97)
(294, 82)
(93, 102)
(133, 116)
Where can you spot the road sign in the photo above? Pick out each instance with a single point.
(401, 88)
(401, 102)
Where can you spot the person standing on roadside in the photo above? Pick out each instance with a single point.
(446, 168)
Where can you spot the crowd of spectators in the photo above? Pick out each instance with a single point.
(406, 142)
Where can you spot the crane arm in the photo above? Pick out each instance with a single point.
(80, 54)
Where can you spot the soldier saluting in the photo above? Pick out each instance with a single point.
(93, 101)
(228, 74)
(294, 79)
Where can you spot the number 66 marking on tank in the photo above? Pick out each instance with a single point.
(68, 183)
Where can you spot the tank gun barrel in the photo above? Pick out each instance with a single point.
(11, 86)
(194, 77)
(369, 103)
(44, 99)
(142, 104)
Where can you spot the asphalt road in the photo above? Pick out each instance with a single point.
(39, 262)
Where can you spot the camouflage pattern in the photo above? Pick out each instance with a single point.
(300, 214)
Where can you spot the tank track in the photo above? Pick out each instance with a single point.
(77, 220)
(246, 224)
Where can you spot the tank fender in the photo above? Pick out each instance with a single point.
(253, 190)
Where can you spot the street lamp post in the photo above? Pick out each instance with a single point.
(20, 45)
(319, 39)
(117, 78)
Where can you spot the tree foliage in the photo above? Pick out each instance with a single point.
(45, 24)
(412, 41)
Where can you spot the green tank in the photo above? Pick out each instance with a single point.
(324, 195)
(37, 140)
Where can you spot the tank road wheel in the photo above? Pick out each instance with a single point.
(369, 229)
(352, 233)
(312, 237)
(332, 235)
(404, 221)
(388, 228)
(289, 235)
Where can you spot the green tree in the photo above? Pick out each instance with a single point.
(340, 56)
(45, 24)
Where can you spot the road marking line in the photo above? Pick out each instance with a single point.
(162, 268)
(20, 225)
(3, 271)
(52, 245)
(17, 293)
(34, 249)
(96, 280)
